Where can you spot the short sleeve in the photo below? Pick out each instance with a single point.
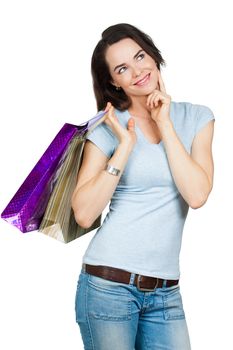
(203, 115)
(103, 139)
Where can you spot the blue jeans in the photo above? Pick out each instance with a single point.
(117, 316)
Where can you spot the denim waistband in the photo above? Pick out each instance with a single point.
(132, 277)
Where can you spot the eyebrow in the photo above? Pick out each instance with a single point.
(123, 64)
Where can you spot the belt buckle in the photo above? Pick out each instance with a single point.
(146, 289)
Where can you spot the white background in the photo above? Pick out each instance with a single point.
(46, 48)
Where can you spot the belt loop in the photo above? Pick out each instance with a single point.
(84, 268)
(132, 277)
(164, 283)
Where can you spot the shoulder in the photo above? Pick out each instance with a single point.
(190, 109)
(191, 113)
(189, 118)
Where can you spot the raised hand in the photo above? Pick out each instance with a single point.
(159, 104)
(127, 136)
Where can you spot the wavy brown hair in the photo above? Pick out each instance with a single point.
(103, 89)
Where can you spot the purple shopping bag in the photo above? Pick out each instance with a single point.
(26, 209)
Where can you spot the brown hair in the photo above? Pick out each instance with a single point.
(103, 89)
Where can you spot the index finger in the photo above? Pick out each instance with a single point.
(107, 107)
(161, 83)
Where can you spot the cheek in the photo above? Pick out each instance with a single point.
(125, 79)
(153, 65)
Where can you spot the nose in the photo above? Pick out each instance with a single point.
(136, 72)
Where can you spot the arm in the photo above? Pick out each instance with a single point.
(193, 174)
(94, 185)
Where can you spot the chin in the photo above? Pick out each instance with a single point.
(147, 91)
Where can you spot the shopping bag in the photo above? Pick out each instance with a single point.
(59, 220)
(27, 207)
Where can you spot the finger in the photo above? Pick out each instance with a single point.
(111, 115)
(161, 83)
(107, 116)
(158, 97)
(156, 102)
(111, 111)
(107, 106)
(150, 97)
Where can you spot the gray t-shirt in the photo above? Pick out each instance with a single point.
(142, 231)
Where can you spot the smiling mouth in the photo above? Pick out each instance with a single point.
(143, 81)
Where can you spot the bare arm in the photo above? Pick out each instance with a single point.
(95, 186)
(193, 174)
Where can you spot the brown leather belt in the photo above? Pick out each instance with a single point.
(143, 283)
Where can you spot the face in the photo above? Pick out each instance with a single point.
(131, 68)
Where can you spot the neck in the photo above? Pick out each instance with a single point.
(139, 109)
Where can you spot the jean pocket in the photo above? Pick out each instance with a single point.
(173, 305)
(108, 300)
(108, 285)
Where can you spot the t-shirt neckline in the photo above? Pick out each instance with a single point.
(143, 136)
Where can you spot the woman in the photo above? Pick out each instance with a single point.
(152, 158)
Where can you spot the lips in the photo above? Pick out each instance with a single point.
(143, 81)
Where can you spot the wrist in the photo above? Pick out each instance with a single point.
(165, 128)
(112, 170)
(125, 146)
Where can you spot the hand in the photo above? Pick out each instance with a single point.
(159, 104)
(127, 136)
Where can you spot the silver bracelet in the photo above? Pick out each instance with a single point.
(111, 170)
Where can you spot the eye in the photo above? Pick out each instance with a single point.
(121, 70)
(141, 56)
